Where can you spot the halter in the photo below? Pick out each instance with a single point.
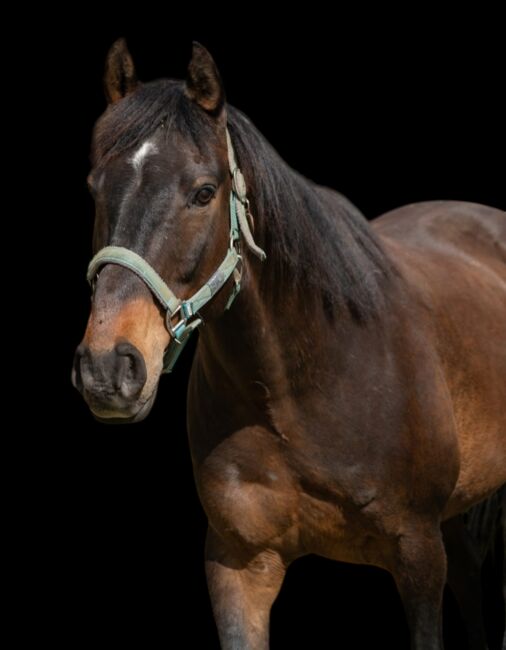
(186, 312)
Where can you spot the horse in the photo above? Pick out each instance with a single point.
(346, 396)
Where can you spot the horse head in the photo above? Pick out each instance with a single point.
(164, 222)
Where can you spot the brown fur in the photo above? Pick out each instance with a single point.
(445, 452)
(353, 397)
(138, 321)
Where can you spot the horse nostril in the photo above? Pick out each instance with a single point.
(131, 375)
(115, 377)
(76, 376)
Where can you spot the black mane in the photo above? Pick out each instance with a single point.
(316, 241)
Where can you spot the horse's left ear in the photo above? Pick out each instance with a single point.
(203, 82)
(120, 78)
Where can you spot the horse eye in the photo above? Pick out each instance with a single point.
(204, 195)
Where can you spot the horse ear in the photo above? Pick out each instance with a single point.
(120, 78)
(203, 82)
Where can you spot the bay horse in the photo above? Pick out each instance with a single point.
(347, 394)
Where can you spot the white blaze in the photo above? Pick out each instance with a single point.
(146, 149)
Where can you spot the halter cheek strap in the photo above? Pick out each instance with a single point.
(186, 312)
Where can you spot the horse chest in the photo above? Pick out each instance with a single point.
(253, 495)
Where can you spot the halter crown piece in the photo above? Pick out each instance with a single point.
(186, 312)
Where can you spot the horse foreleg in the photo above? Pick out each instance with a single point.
(464, 578)
(419, 571)
(242, 590)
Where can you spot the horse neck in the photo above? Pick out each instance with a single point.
(275, 337)
(257, 342)
(281, 331)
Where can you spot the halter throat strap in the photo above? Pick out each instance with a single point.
(182, 316)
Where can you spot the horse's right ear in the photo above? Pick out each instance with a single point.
(120, 78)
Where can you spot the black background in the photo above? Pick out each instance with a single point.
(388, 109)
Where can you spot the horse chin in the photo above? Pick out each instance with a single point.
(129, 418)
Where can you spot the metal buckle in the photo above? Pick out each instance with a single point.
(173, 328)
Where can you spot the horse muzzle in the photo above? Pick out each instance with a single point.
(111, 382)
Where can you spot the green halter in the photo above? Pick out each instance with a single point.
(186, 312)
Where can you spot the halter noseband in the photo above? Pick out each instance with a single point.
(187, 311)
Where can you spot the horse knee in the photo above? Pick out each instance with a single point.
(242, 587)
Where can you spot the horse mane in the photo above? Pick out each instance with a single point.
(316, 241)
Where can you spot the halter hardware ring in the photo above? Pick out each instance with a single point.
(172, 329)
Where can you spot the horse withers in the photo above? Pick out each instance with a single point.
(347, 392)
